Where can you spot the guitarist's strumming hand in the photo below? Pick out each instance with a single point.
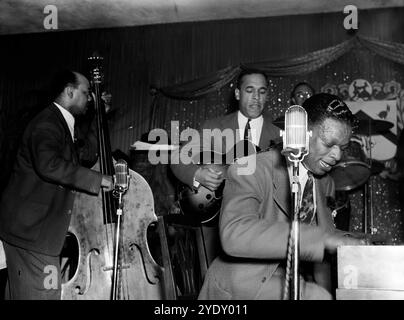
(209, 177)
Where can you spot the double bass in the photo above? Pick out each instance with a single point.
(113, 259)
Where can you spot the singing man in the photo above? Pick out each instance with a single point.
(256, 212)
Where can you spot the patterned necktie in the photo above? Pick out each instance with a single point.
(307, 214)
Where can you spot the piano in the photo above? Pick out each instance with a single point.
(374, 272)
(2, 257)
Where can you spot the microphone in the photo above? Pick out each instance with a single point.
(295, 148)
(295, 136)
(121, 178)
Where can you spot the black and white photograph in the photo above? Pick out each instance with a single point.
(187, 152)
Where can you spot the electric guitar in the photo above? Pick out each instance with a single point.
(202, 203)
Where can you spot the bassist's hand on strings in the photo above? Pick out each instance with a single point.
(209, 178)
(107, 183)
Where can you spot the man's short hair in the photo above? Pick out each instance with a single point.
(324, 105)
(245, 72)
(61, 80)
(301, 84)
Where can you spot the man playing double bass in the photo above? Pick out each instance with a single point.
(36, 207)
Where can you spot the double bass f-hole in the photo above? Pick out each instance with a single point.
(114, 226)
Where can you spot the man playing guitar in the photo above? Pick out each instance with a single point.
(250, 122)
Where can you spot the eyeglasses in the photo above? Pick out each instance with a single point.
(303, 95)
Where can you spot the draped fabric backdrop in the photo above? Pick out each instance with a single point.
(358, 57)
(330, 70)
(148, 69)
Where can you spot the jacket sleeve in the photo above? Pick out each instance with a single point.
(52, 160)
(247, 231)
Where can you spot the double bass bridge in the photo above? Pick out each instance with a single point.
(125, 266)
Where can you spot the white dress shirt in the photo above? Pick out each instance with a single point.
(69, 118)
(255, 125)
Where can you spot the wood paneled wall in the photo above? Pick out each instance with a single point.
(161, 55)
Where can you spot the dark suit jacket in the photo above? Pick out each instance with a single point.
(254, 230)
(36, 206)
(185, 172)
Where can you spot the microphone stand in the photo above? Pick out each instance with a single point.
(116, 252)
(367, 221)
(294, 243)
(295, 138)
(121, 182)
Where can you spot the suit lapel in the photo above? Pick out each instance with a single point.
(60, 117)
(230, 122)
(268, 132)
(282, 196)
(323, 212)
(282, 186)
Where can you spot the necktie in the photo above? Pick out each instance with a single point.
(247, 138)
(247, 130)
(307, 214)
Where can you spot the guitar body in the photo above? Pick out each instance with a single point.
(204, 204)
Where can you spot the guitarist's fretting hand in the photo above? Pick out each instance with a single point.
(209, 178)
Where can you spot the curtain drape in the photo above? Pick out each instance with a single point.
(300, 65)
